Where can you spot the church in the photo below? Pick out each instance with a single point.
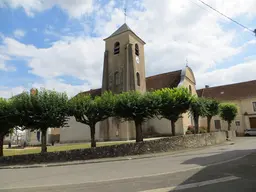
(124, 70)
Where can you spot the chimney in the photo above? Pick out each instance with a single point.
(207, 86)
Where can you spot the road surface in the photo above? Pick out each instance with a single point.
(216, 168)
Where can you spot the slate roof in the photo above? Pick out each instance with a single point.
(164, 80)
(230, 92)
(123, 29)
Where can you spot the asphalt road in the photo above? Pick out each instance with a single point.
(225, 167)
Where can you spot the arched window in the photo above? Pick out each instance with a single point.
(116, 48)
(116, 78)
(138, 78)
(137, 51)
(190, 89)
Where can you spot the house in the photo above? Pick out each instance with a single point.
(243, 95)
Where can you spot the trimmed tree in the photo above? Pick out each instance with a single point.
(137, 107)
(212, 109)
(89, 110)
(8, 119)
(172, 103)
(197, 109)
(228, 112)
(41, 110)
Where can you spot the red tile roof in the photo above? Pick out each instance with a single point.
(230, 92)
(170, 79)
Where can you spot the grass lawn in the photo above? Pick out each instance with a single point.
(64, 147)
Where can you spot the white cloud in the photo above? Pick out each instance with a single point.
(173, 30)
(242, 72)
(74, 8)
(7, 92)
(18, 33)
(54, 84)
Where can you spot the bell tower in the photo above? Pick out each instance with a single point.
(124, 70)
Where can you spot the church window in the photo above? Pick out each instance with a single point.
(116, 78)
(190, 89)
(137, 51)
(116, 48)
(138, 78)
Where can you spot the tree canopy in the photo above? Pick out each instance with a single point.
(8, 119)
(172, 103)
(89, 110)
(228, 112)
(197, 109)
(212, 109)
(136, 107)
(42, 110)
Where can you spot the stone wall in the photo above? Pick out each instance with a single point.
(152, 146)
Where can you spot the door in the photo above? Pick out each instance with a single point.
(252, 122)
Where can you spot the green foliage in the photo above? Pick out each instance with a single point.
(42, 110)
(172, 102)
(212, 107)
(197, 109)
(135, 106)
(228, 112)
(8, 116)
(89, 111)
(8, 119)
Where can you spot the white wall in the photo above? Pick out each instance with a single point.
(77, 132)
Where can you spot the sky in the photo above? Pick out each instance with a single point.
(58, 44)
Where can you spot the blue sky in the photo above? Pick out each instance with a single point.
(59, 44)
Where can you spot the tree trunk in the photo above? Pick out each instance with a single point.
(1, 145)
(229, 126)
(93, 142)
(209, 124)
(196, 125)
(43, 141)
(173, 128)
(139, 135)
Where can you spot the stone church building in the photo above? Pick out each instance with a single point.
(124, 70)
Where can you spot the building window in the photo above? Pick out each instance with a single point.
(116, 48)
(217, 124)
(190, 89)
(237, 123)
(117, 78)
(137, 51)
(138, 78)
(254, 106)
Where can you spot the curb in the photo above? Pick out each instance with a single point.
(113, 159)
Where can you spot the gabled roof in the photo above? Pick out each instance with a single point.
(123, 29)
(164, 80)
(230, 92)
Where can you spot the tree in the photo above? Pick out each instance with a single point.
(8, 118)
(212, 109)
(197, 109)
(89, 110)
(137, 107)
(228, 112)
(172, 103)
(42, 110)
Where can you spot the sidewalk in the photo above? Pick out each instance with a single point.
(112, 159)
